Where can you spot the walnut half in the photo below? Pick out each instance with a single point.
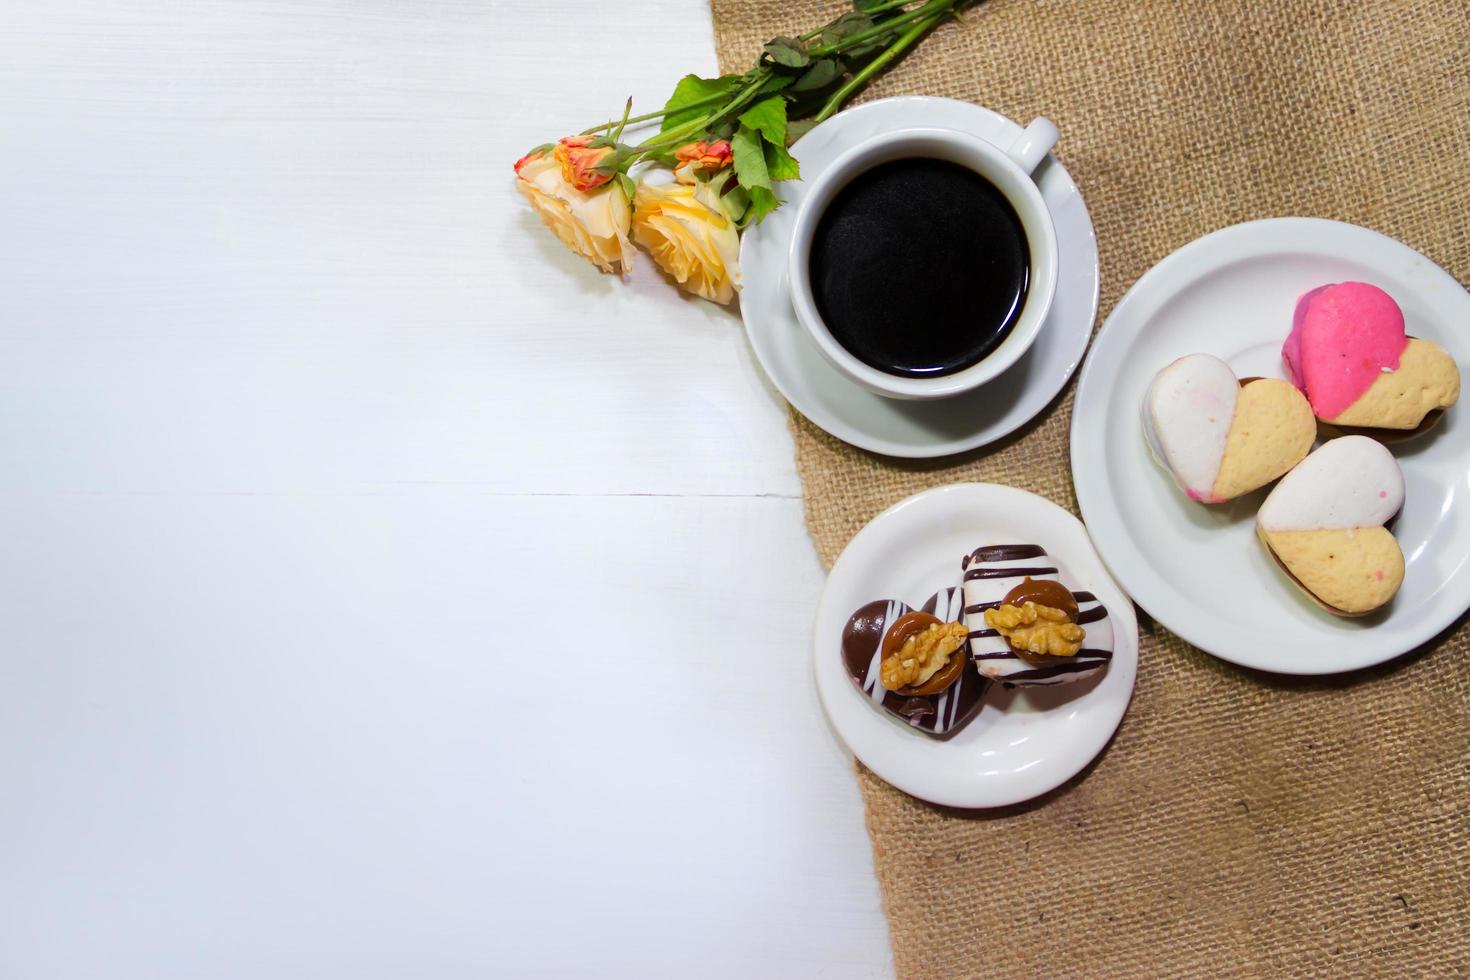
(922, 655)
(1036, 629)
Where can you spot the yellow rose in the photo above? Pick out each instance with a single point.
(686, 230)
(594, 224)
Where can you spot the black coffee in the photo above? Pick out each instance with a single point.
(919, 267)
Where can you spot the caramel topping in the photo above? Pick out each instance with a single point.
(1044, 592)
(944, 677)
(1037, 629)
(922, 655)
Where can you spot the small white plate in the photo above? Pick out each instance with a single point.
(906, 428)
(1023, 742)
(1200, 570)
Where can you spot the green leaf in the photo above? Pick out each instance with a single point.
(787, 52)
(821, 74)
(762, 203)
(775, 83)
(749, 146)
(629, 188)
(767, 117)
(851, 23)
(759, 146)
(846, 25)
(750, 159)
(780, 164)
(693, 89)
(736, 200)
(798, 129)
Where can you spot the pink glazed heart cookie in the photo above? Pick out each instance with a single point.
(1350, 356)
(1324, 525)
(1220, 437)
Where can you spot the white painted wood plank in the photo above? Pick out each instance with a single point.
(299, 411)
(438, 734)
(298, 221)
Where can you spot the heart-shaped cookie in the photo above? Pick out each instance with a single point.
(942, 713)
(1350, 356)
(1324, 525)
(1002, 575)
(1220, 436)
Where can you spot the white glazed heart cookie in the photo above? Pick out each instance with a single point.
(1349, 355)
(1220, 437)
(1324, 525)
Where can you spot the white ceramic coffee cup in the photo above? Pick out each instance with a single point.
(1009, 168)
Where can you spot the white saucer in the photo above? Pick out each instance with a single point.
(1022, 743)
(1200, 570)
(889, 426)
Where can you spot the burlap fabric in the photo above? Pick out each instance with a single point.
(1239, 823)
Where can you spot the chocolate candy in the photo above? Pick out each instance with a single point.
(991, 576)
(940, 714)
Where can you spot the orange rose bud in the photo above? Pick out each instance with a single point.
(705, 156)
(579, 162)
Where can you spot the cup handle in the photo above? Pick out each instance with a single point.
(1034, 143)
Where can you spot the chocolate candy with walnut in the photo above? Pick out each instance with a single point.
(991, 575)
(940, 714)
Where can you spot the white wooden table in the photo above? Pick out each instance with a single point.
(383, 591)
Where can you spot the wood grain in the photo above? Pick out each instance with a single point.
(385, 592)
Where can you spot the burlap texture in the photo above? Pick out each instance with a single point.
(1240, 823)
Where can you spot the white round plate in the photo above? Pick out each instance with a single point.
(1200, 571)
(1023, 742)
(908, 428)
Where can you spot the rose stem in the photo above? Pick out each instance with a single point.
(887, 27)
(698, 103)
(871, 10)
(904, 42)
(680, 133)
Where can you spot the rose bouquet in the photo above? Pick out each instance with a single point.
(685, 191)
